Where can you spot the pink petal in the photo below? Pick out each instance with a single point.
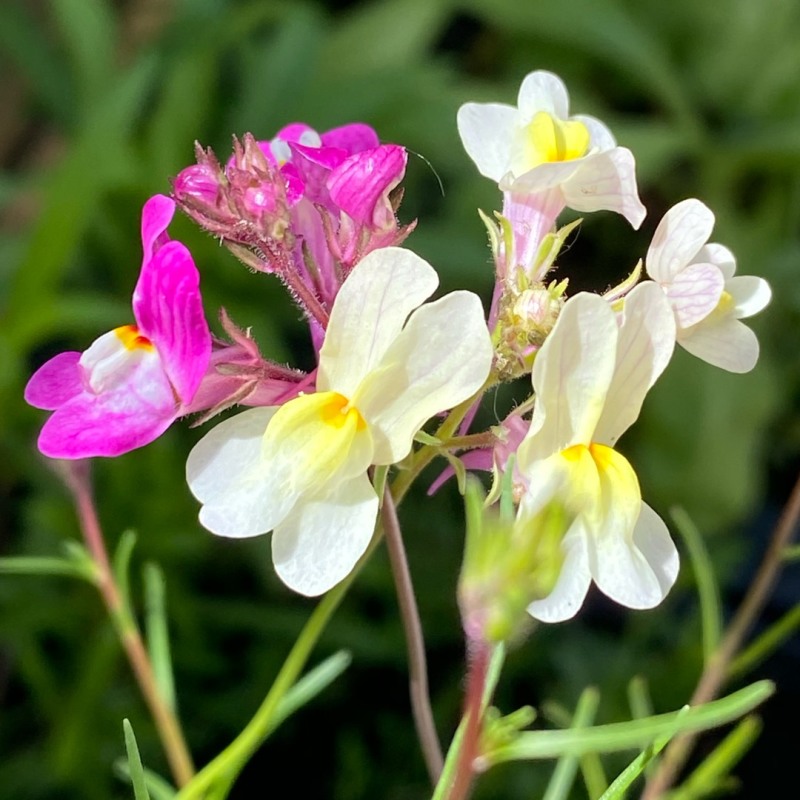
(169, 311)
(55, 382)
(114, 422)
(364, 180)
(352, 138)
(156, 216)
(293, 131)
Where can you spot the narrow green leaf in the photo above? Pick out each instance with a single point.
(26, 45)
(567, 766)
(36, 565)
(619, 788)
(159, 788)
(310, 685)
(122, 565)
(639, 698)
(630, 735)
(707, 588)
(766, 644)
(157, 631)
(791, 553)
(706, 779)
(135, 763)
(89, 34)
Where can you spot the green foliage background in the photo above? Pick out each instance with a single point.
(101, 104)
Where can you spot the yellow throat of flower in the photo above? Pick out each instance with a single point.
(337, 412)
(548, 139)
(131, 338)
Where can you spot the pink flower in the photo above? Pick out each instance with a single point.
(132, 382)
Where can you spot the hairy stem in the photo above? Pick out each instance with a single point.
(167, 725)
(417, 666)
(716, 671)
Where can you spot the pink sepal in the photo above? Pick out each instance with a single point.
(360, 185)
(55, 382)
(169, 311)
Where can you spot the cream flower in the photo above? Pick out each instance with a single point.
(537, 147)
(707, 299)
(590, 379)
(300, 470)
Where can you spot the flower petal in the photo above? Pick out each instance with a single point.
(695, 292)
(486, 130)
(600, 137)
(684, 229)
(226, 472)
(369, 312)
(321, 540)
(543, 91)
(750, 294)
(360, 185)
(156, 217)
(718, 255)
(644, 347)
(606, 181)
(169, 311)
(55, 382)
(137, 410)
(352, 138)
(573, 581)
(312, 440)
(571, 376)
(726, 343)
(442, 357)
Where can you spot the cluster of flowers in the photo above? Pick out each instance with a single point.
(319, 211)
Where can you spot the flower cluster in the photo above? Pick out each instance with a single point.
(319, 211)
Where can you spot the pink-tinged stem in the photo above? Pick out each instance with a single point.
(418, 670)
(169, 729)
(716, 671)
(478, 655)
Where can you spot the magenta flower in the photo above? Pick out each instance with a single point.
(132, 382)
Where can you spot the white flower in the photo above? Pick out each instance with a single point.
(707, 299)
(590, 379)
(537, 147)
(301, 470)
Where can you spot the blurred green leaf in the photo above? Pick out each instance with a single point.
(157, 631)
(43, 565)
(766, 643)
(89, 33)
(567, 765)
(627, 735)
(705, 780)
(708, 590)
(159, 788)
(27, 45)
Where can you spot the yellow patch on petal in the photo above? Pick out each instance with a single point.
(316, 438)
(600, 481)
(131, 338)
(549, 139)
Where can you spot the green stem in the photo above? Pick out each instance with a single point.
(233, 758)
(167, 725)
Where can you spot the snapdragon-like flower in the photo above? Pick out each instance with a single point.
(133, 382)
(545, 160)
(590, 379)
(698, 280)
(301, 470)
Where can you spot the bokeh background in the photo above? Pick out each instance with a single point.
(101, 103)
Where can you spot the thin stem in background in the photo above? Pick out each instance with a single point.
(716, 672)
(167, 725)
(417, 667)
